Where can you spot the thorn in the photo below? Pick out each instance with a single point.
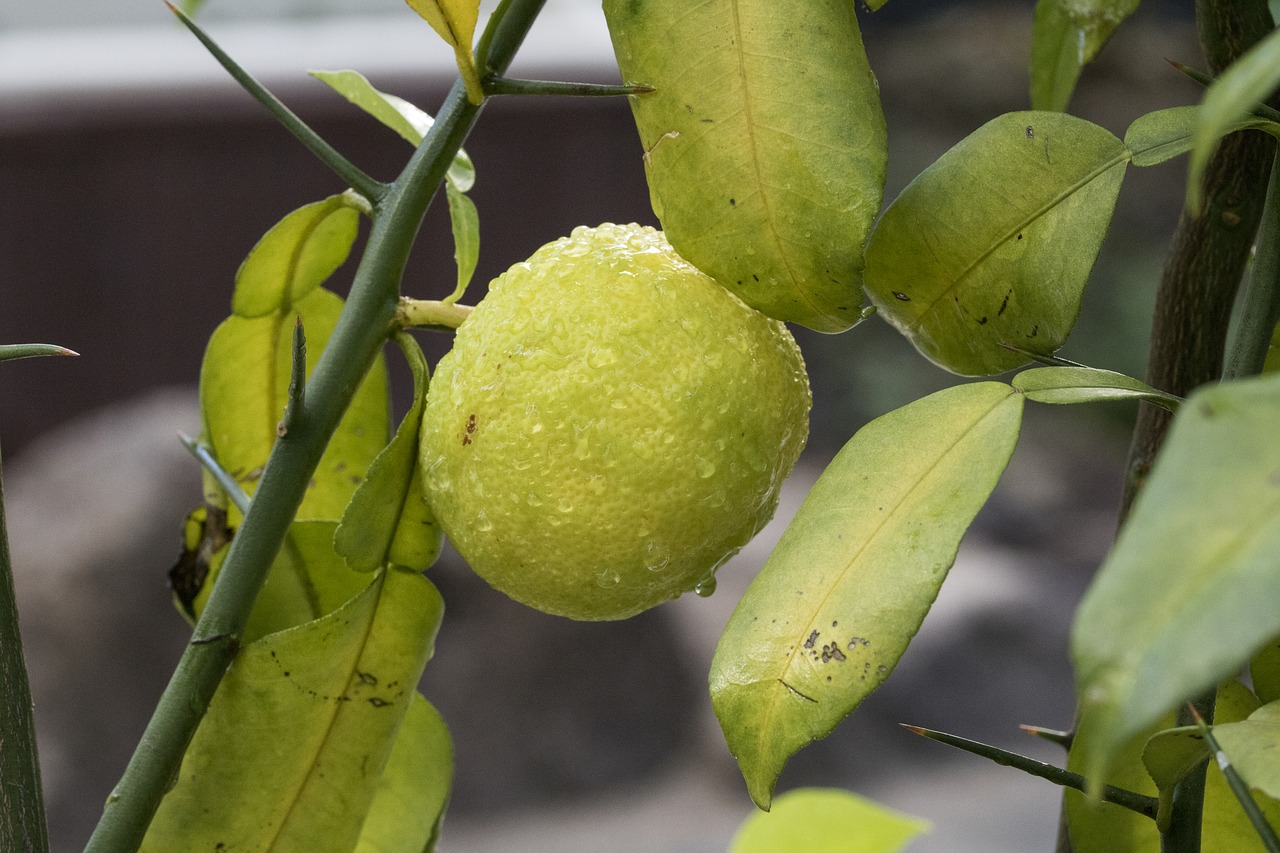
(923, 732)
(1061, 738)
(293, 410)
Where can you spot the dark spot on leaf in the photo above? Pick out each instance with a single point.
(982, 321)
(1004, 304)
(813, 638)
(1035, 330)
(378, 703)
(756, 277)
(367, 678)
(1031, 132)
(901, 297)
(733, 202)
(469, 430)
(1019, 236)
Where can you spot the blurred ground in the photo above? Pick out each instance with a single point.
(122, 226)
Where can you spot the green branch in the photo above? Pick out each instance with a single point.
(358, 337)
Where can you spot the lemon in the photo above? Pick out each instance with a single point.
(610, 426)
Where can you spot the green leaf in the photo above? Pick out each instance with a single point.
(307, 580)
(1171, 754)
(1248, 81)
(1264, 672)
(244, 384)
(758, 180)
(826, 820)
(991, 246)
(296, 738)
(1065, 36)
(1253, 745)
(398, 114)
(388, 519)
(851, 580)
(1100, 827)
(1087, 385)
(295, 257)
(466, 237)
(1164, 134)
(455, 22)
(409, 802)
(1252, 735)
(1188, 593)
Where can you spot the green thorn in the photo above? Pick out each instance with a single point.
(495, 85)
(226, 482)
(1050, 360)
(1207, 80)
(1061, 738)
(344, 168)
(295, 408)
(15, 351)
(1238, 786)
(1131, 800)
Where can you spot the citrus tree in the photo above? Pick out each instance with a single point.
(617, 414)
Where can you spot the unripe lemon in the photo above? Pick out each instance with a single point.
(610, 426)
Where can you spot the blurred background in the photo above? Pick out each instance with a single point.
(134, 177)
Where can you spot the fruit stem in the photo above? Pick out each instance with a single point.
(429, 314)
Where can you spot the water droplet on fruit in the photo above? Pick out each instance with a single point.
(704, 467)
(608, 579)
(564, 505)
(706, 587)
(657, 557)
(483, 524)
(533, 500)
(601, 357)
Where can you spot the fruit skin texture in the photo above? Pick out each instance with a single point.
(610, 426)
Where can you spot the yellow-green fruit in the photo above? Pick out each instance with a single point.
(610, 426)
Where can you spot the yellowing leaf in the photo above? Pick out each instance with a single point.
(824, 820)
(290, 755)
(991, 246)
(455, 21)
(764, 145)
(847, 587)
(244, 383)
